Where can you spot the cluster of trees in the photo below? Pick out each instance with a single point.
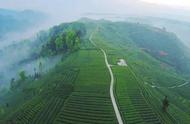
(63, 38)
(59, 39)
(15, 84)
(67, 41)
(24, 78)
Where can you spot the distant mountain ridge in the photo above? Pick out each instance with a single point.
(12, 20)
(180, 28)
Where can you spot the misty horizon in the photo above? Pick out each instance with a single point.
(63, 10)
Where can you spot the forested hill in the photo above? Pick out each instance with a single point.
(180, 28)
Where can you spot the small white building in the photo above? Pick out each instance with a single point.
(122, 62)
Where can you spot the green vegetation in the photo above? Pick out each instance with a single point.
(48, 94)
(90, 101)
(85, 93)
(163, 45)
(22, 76)
(67, 41)
(134, 107)
(63, 38)
(77, 89)
(148, 80)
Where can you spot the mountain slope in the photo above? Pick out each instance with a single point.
(153, 78)
(77, 89)
(180, 28)
(159, 43)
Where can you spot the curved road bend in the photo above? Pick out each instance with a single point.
(117, 112)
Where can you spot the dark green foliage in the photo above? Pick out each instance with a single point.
(64, 38)
(22, 75)
(12, 84)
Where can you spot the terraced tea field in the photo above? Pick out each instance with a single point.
(90, 102)
(133, 105)
(131, 101)
(109, 80)
(45, 107)
(86, 108)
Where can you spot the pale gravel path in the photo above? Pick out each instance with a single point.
(117, 112)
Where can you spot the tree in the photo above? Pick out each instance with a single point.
(22, 75)
(12, 84)
(36, 74)
(40, 68)
(59, 43)
(62, 41)
(7, 105)
(70, 39)
(77, 43)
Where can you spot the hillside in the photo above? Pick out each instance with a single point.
(180, 28)
(159, 43)
(145, 68)
(44, 47)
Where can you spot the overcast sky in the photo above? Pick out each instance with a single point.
(74, 8)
